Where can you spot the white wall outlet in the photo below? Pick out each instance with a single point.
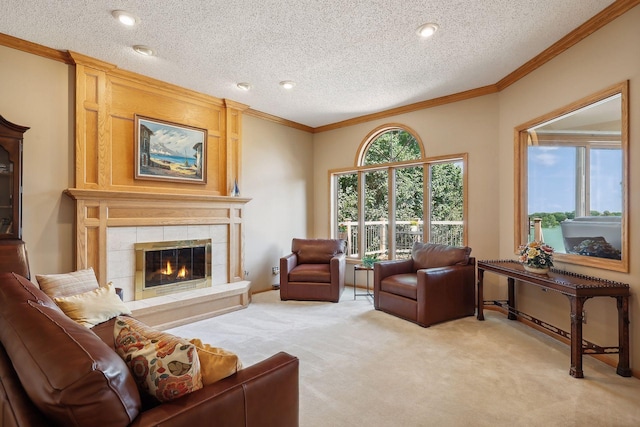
(275, 270)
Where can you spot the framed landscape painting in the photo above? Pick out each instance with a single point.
(170, 152)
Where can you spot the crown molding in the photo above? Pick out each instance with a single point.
(598, 21)
(430, 103)
(279, 120)
(34, 48)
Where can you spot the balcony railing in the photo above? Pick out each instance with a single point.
(407, 232)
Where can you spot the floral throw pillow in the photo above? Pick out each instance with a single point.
(163, 365)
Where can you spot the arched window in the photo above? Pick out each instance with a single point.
(392, 145)
(381, 206)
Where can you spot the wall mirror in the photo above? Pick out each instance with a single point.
(571, 178)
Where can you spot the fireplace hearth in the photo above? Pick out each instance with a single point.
(169, 267)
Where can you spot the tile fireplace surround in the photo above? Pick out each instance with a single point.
(109, 224)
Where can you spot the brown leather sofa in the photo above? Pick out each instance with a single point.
(314, 270)
(13, 257)
(435, 285)
(53, 371)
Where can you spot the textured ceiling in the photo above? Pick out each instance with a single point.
(348, 57)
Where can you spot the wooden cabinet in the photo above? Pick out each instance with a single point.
(11, 136)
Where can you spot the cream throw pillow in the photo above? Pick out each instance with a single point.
(67, 284)
(215, 363)
(93, 307)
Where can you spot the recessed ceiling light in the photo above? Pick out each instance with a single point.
(125, 18)
(287, 84)
(144, 50)
(427, 30)
(244, 86)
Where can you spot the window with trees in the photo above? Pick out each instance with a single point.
(395, 196)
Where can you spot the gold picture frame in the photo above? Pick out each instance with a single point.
(168, 151)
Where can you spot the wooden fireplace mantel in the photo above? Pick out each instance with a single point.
(91, 194)
(96, 210)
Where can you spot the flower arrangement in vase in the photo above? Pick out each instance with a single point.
(369, 260)
(536, 257)
(342, 231)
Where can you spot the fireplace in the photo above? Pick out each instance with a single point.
(170, 267)
(110, 223)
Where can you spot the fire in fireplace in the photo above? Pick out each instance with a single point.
(169, 267)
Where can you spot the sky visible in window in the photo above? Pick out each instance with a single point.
(552, 180)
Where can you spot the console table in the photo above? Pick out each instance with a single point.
(578, 288)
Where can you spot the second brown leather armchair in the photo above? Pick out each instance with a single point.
(314, 270)
(436, 284)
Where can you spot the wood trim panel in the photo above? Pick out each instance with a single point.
(233, 144)
(107, 101)
(236, 243)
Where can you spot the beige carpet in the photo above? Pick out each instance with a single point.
(362, 367)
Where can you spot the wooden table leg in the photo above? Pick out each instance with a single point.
(512, 298)
(480, 295)
(623, 336)
(577, 303)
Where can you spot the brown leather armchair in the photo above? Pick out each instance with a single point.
(314, 270)
(435, 285)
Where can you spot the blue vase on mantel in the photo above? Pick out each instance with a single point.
(235, 191)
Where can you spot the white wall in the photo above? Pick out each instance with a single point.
(607, 57)
(38, 93)
(464, 127)
(277, 173)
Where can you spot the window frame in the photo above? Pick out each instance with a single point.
(521, 143)
(359, 169)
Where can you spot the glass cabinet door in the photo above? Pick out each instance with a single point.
(6, 193)
(11, 137)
